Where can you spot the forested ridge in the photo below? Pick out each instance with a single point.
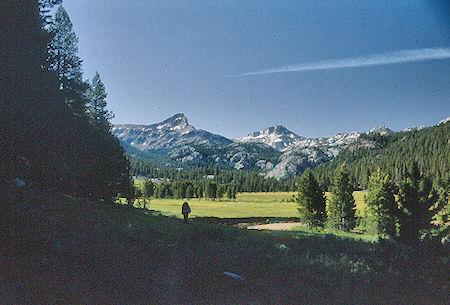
(394, 154)
(55, 133)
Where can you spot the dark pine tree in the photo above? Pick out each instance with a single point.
(311, 200)
(382, 204)
(211, 190)
(63, 59)
(96, 106)
(229, 192)
(417, 205)
(342, 204)
(189, 192)
(149, 188)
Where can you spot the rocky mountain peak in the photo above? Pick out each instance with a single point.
(275, 130)
(278, 137)
(177, 122)
(170, 133)
(382, 130)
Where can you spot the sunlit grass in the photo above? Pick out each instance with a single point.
(245, 205)
(265, 196)
(226, 209)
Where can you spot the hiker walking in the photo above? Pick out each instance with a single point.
(185, 210)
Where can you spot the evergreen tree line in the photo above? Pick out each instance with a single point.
(54, 126)
(247, 181)
(187, 189)
(405, 210)
(394, 154)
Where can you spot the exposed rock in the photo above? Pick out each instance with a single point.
(264, 165)
(241, 164)
(310, 152)
(173, 132)
(278, 137)
(382, 130)
(413, 128)
(289, 165)
(186, 154)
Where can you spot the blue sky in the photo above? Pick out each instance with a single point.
(213, 61)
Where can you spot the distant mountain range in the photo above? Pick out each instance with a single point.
(275, 151)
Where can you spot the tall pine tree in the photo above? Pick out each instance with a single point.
(63, 59)
(382, 204)
(417, 205)
(96, 107)
(311, 200)
(342, 204)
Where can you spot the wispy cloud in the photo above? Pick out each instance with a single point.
(362, 61)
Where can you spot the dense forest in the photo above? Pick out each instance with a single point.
(55, 133)
(393, 154)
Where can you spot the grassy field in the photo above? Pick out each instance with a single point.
(246, 205)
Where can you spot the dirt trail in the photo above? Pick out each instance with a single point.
(282, 226)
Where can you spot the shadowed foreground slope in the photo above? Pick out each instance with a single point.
(58, 250)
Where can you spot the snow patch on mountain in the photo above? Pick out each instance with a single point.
(444, 121)
(413, 128)
(278, 137)
(173, 132)
(382, 130)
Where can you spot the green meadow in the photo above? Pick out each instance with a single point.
(276, 204)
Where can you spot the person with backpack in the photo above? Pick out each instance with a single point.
(185, 210)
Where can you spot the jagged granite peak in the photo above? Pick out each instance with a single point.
(338, 140)
(382, 130)
(278, 137)
(276, 130)
(172, 132)
(177, 122)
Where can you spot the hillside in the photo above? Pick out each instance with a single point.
(59, 250)
(393, 153)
